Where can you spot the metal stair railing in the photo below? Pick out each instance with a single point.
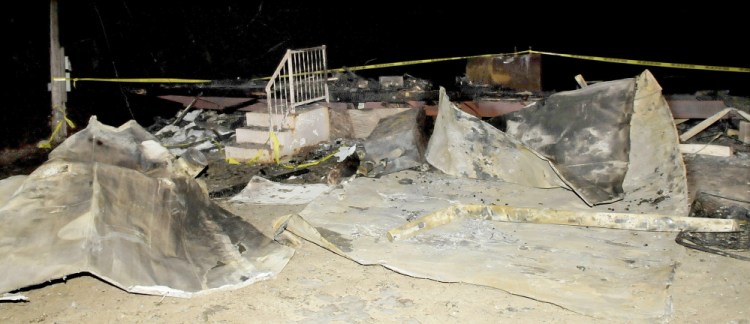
(300, 79)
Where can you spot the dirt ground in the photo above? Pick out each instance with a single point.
(320, 287)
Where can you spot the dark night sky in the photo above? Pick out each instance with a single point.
(244, 39)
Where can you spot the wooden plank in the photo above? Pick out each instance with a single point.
(706, 149)
(742, 114)
(704, 124)
(680, 121)
(581, 81)
(625, 221)
(185, 111)
(709, 121)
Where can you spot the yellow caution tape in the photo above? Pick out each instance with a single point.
(581, 57)
(218, 145)
(415, 62)
(48, 143)
(403, 63)
(647, 63)
(252, 161)
(436, 60)
(133, 80)
(276, 146)
(255, 158)
(316, 162)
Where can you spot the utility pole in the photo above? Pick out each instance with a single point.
(57, 70)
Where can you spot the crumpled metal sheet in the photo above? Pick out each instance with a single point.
(464, 145)
(397, 143)
(607, 142)
(611, 274)
(585, 133)
(8, 186)
(108, 205)
(656, 175)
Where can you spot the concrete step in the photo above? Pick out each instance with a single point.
(244, 152)
(262, 119)
(311, 126)
(259, 135)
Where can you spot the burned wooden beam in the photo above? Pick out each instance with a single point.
(693, 108)
(520, 72)
(216, 88)
(216, 103)
(485, 108)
